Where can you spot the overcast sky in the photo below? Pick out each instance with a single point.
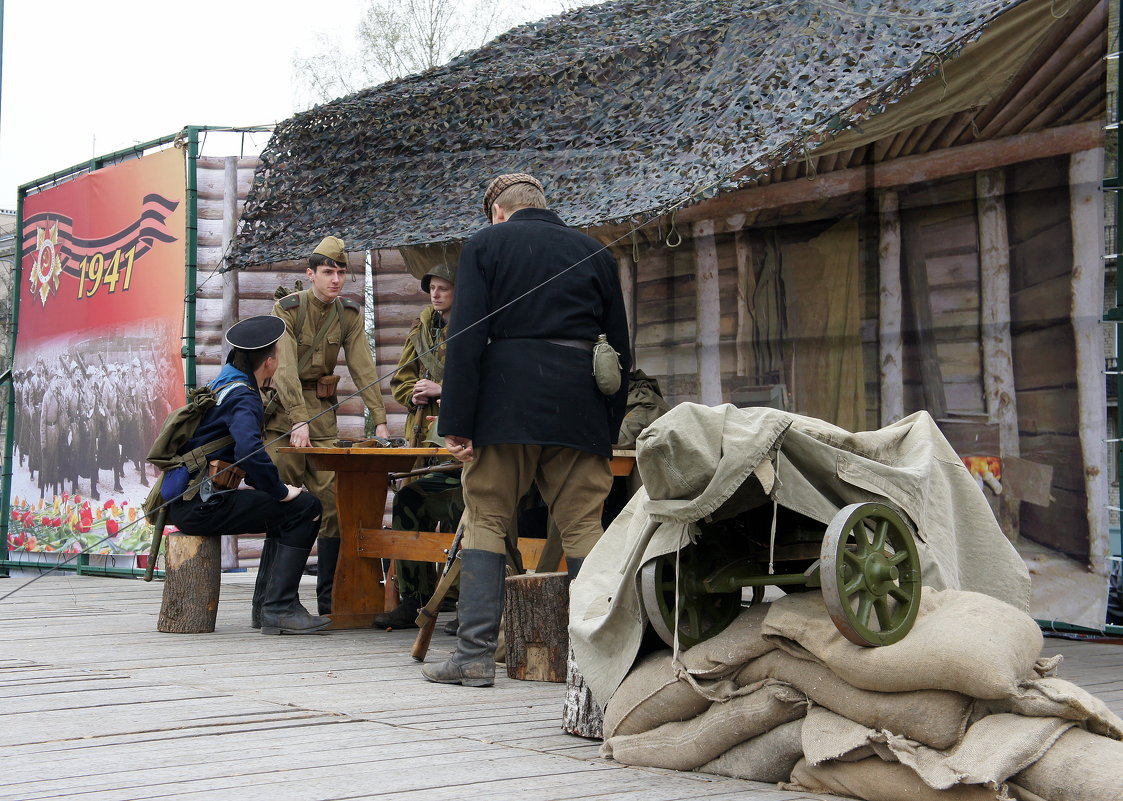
(83, 78)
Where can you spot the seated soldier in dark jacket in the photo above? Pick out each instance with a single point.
(289, 517)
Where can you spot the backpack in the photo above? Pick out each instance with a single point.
(178, 428)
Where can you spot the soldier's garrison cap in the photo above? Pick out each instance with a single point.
(257, 332)
(333, 248)
(438, 271)
(496, 187)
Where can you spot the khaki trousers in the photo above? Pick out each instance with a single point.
(297, 470)
(573, 483)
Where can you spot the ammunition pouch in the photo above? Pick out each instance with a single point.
(324, 386)
(225, 475)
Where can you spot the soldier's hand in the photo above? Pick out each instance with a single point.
(299, 437)
(293, 492)
(382, 430)
(460, 447)
(425, 391)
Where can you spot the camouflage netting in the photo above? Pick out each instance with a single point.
(620, 109)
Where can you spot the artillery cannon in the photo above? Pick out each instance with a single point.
(866, 565)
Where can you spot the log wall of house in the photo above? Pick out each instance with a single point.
(1041, 297)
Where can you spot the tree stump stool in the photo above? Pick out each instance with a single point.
(581, 714)
(192, 572)
(536, 624)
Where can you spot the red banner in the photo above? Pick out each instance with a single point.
(97, 363)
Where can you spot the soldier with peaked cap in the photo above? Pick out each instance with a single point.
(519, 400)
(318, 323)
(289, 517)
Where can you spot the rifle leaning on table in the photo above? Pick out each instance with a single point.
(427, 617)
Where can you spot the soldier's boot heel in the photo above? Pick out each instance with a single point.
(482, 574)
(281, 612)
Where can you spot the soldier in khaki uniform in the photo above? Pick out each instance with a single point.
(318, 322)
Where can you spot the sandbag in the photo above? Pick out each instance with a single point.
(876, 780)
(1080, 766)
(768, 757)
(1053, 697)
(724, 653)
(689, 744)
(962, 641)
(649, 697)
(936, 718)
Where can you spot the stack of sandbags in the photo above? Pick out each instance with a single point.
(963, 707)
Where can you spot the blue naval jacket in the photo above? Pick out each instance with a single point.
(240, 414)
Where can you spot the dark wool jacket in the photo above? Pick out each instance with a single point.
(504, 382)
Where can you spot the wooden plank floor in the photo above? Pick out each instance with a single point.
(96, 705)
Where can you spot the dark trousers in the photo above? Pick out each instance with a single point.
(248, 511)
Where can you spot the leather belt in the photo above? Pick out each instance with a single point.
(580, 344)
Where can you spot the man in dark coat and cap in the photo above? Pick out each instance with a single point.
(520, 402)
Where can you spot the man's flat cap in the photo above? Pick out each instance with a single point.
(496, 187)
(257, 332)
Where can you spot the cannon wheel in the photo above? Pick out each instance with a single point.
(701, 614)
(871, 574)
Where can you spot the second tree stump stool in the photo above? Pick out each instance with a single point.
(192, 573)
(536, 616)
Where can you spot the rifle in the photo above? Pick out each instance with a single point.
(427, 617)
(446, 467)
(157, 537)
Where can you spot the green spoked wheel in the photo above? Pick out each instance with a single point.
(700, 614)
(870, 571)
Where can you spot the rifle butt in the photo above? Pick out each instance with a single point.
(424, 636)
(157, 539)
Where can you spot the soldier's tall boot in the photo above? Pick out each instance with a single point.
(573, 565)
(482, 574)
(264, 565)
(327, 549)
(281, 612)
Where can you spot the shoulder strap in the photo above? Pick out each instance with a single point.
(321, 332)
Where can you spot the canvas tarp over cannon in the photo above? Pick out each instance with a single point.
(696, 463)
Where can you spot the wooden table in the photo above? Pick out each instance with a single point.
(362, 477)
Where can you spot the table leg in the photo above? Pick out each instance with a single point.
(357, 596)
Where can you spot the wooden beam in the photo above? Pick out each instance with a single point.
(229, 545)
(1086, 212)
(890, 310)
(1085, 66)
(746, 291)
(1090, 80)
(707, 300)
(998, 363)
(626, 267)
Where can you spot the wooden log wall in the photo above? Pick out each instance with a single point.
(1044, 373)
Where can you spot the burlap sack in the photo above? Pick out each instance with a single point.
(1080, 766)
(965, 642)
(875, 780)
(992, 750)
(768, 757)
(936, 718)
(649, 697)
(690, 744)
(726, 652)
(1053, 697)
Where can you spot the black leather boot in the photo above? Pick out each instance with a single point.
(403, 616)
(281, 612)
(482, 574)
(573, 565)
(327, 549)
(264, 565)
